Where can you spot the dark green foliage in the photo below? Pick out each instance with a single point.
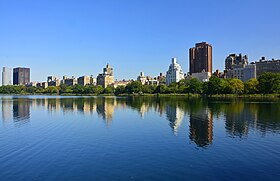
(120, 90)
(215, 85)
(51, 90)
(161, 89)
(267, 83)
(134, 87)
(78, 89)
(195, 86)
(149, 89)
(109, 90)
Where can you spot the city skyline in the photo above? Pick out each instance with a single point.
(90, 34)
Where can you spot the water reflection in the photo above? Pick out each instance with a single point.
(201, 127)
(7, 112)
(175, 116)
(239, 116)
(21, 109)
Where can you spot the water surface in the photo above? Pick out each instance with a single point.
(111, 138)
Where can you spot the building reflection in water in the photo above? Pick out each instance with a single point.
(7, 113)
(21, 111)
(175, 116)
(105, 108)
(237, 120)
(239, 117)
(201, 127)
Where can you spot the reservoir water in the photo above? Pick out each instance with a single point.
(138, 138)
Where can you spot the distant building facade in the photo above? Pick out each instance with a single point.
(21, 76)
(84, 80)
(53, 81)
(120, 83)
(174, 73)
(234, 59)
(244, 73)
(44, 85)
(264, 65)
(93, 80)
(161, 78)
(142, 78)
(200, 58)
(71, 81)
(202, 76)
(107, 77)
(6, 76)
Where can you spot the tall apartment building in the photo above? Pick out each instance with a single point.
(174, 73)
(84, 80)
(21, 76)
(70, 81)
(53, 81)
(201, 58)
(107, 77)
(234, 59)
(6, 76)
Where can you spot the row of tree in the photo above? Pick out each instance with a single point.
(267, 83)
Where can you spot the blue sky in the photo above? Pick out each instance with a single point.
(78, 37)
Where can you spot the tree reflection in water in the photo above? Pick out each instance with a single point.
(240, 115)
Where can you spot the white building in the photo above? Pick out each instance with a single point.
(202, 76)
(142, 78)
(174, 73)
(244, 73)
(6, 76)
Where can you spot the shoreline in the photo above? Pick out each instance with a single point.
(160, 95)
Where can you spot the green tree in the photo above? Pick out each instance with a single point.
(120, 90)
(205, 87)
(52, 90)
(225, 86)
(161, 89)
(98, 89)
(276, 87)
(251, 86)
(109, 90)
(195, 86)
(134, 87)
(78, 89)
(214, 85)
(173, 88)
(31, 90)
(236, 86)
(266, 82)
(63, 88)
(149, 89)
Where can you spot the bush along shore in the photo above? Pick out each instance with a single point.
(267, 84)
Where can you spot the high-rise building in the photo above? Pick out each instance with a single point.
(71, 81)
(6, 76)
(235, 60)
(84, 80)
(201, 58)
(53, 81)
(107, 77)
(21, 76)
(174, 73)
